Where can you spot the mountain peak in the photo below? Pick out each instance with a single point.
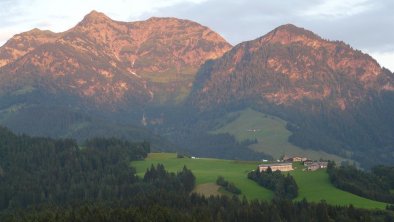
(37, 31)
(95, 17)
(96, 14)
(290, 28)
(290, 33)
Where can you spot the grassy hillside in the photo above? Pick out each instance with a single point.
(207, 170)
(271, 135)
(314, 186)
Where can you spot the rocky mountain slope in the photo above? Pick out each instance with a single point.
(335, 98)
(108, 62)
(290, 65)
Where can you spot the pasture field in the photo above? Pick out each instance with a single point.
(314, 186)
(207, 170)
(271, 135)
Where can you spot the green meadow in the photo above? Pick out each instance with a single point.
(207, 170)
(271, 135)
(314, 186)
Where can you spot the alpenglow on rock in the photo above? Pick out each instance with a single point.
(109, 62)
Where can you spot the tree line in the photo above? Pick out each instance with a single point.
(161, 205)
(375, 184)
(284, 186)
(41, 170)
(228, 186)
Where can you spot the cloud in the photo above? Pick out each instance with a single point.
(338, 8)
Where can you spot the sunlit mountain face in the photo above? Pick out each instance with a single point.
(110, 63)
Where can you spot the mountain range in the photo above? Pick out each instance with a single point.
(178, 79)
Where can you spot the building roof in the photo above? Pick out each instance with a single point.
(274, 164)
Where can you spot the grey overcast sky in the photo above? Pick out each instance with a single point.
(367, 25)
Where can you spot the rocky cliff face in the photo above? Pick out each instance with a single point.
(109, 62)
(23, 43)
(290, 65)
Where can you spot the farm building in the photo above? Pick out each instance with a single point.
(308, 162)
(276, 166)
(316, 165)
(294, 159)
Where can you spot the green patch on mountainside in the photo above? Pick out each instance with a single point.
(24, 90)
(171, 75)
(270, 133)
(170, 87)
(314, 186)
